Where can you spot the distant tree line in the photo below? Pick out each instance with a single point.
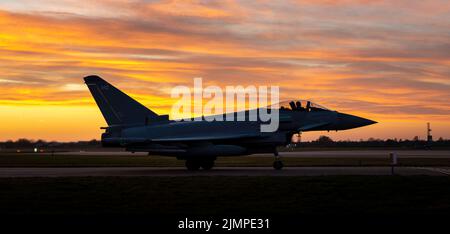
(41, 144)
(325, 141)
(322, 141)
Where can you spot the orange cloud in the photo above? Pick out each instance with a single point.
(354, 56)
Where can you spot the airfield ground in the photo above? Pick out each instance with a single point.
(370, 195)
(222, 194)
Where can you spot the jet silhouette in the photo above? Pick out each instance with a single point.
(138, 129)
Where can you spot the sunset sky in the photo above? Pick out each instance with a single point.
(384, 60)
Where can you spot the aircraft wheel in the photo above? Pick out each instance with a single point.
(192, 165)
(207, 164)
(278, 165)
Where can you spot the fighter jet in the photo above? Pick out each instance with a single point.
(138, 129)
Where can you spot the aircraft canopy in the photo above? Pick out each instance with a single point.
(301, 105)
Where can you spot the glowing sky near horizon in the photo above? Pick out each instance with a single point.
(384, 60)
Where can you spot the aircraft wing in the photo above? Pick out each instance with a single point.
(207, 137)
(133, 140)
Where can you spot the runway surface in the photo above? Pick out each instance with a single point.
(318, 154)
(219, 171)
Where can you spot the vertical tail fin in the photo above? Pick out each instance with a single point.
(117, 107)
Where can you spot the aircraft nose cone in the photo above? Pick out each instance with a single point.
(346, 121)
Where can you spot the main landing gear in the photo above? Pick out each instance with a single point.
(277, 164)
(195, 164)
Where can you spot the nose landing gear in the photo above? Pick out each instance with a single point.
(277, 164)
